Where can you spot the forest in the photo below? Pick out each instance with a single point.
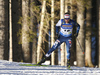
(27, 31)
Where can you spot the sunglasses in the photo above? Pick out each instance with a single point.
(67, 18)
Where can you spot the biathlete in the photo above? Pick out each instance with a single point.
(64, 30)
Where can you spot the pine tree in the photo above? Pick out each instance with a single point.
(52, 31)
(10, 25)
(80, 20)
(25, 27)
(16, 14)
(4, 29)
(62, 10)
(66, 10)
(88, 59)
(33, 26)
(72, 16)
(41, 31)
(98, 20)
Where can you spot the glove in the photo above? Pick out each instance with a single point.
(76, 34)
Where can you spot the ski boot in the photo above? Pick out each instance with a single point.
(42, 61)
(68, 64)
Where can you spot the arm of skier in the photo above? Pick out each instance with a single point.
(77, 29)
(58, 27)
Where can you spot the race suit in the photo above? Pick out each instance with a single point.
(65, 35)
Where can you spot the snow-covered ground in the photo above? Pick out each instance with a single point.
(13, 68)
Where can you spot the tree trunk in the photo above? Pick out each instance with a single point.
(10, 37)
(45, 34)
(33, 25)
(72, 16)
(71, 10)
(41, 31)
(5, 36)
(98, 18)
(3, 28)
(25, 35)
(66, 10)
(16, 14)
(88, 60)
(52, 32)
(66, 5)
(62, 10)
(80, 20)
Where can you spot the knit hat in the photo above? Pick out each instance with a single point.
(66, 16)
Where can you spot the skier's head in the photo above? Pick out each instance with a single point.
(67, 17)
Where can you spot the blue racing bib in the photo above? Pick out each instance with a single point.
(66, 29)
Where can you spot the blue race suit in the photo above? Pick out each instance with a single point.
(65, 35)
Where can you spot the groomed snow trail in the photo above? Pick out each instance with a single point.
(13, 68)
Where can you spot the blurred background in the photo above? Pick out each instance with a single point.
(27, 31)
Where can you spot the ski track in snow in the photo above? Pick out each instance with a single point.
(13, 68)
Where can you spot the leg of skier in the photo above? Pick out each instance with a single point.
(56, 44)
(68, 46)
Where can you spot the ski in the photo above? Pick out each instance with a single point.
(69, 68)
(33, 65)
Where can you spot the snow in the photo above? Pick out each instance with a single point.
(13, 68)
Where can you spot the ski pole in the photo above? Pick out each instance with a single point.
(80, 45)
